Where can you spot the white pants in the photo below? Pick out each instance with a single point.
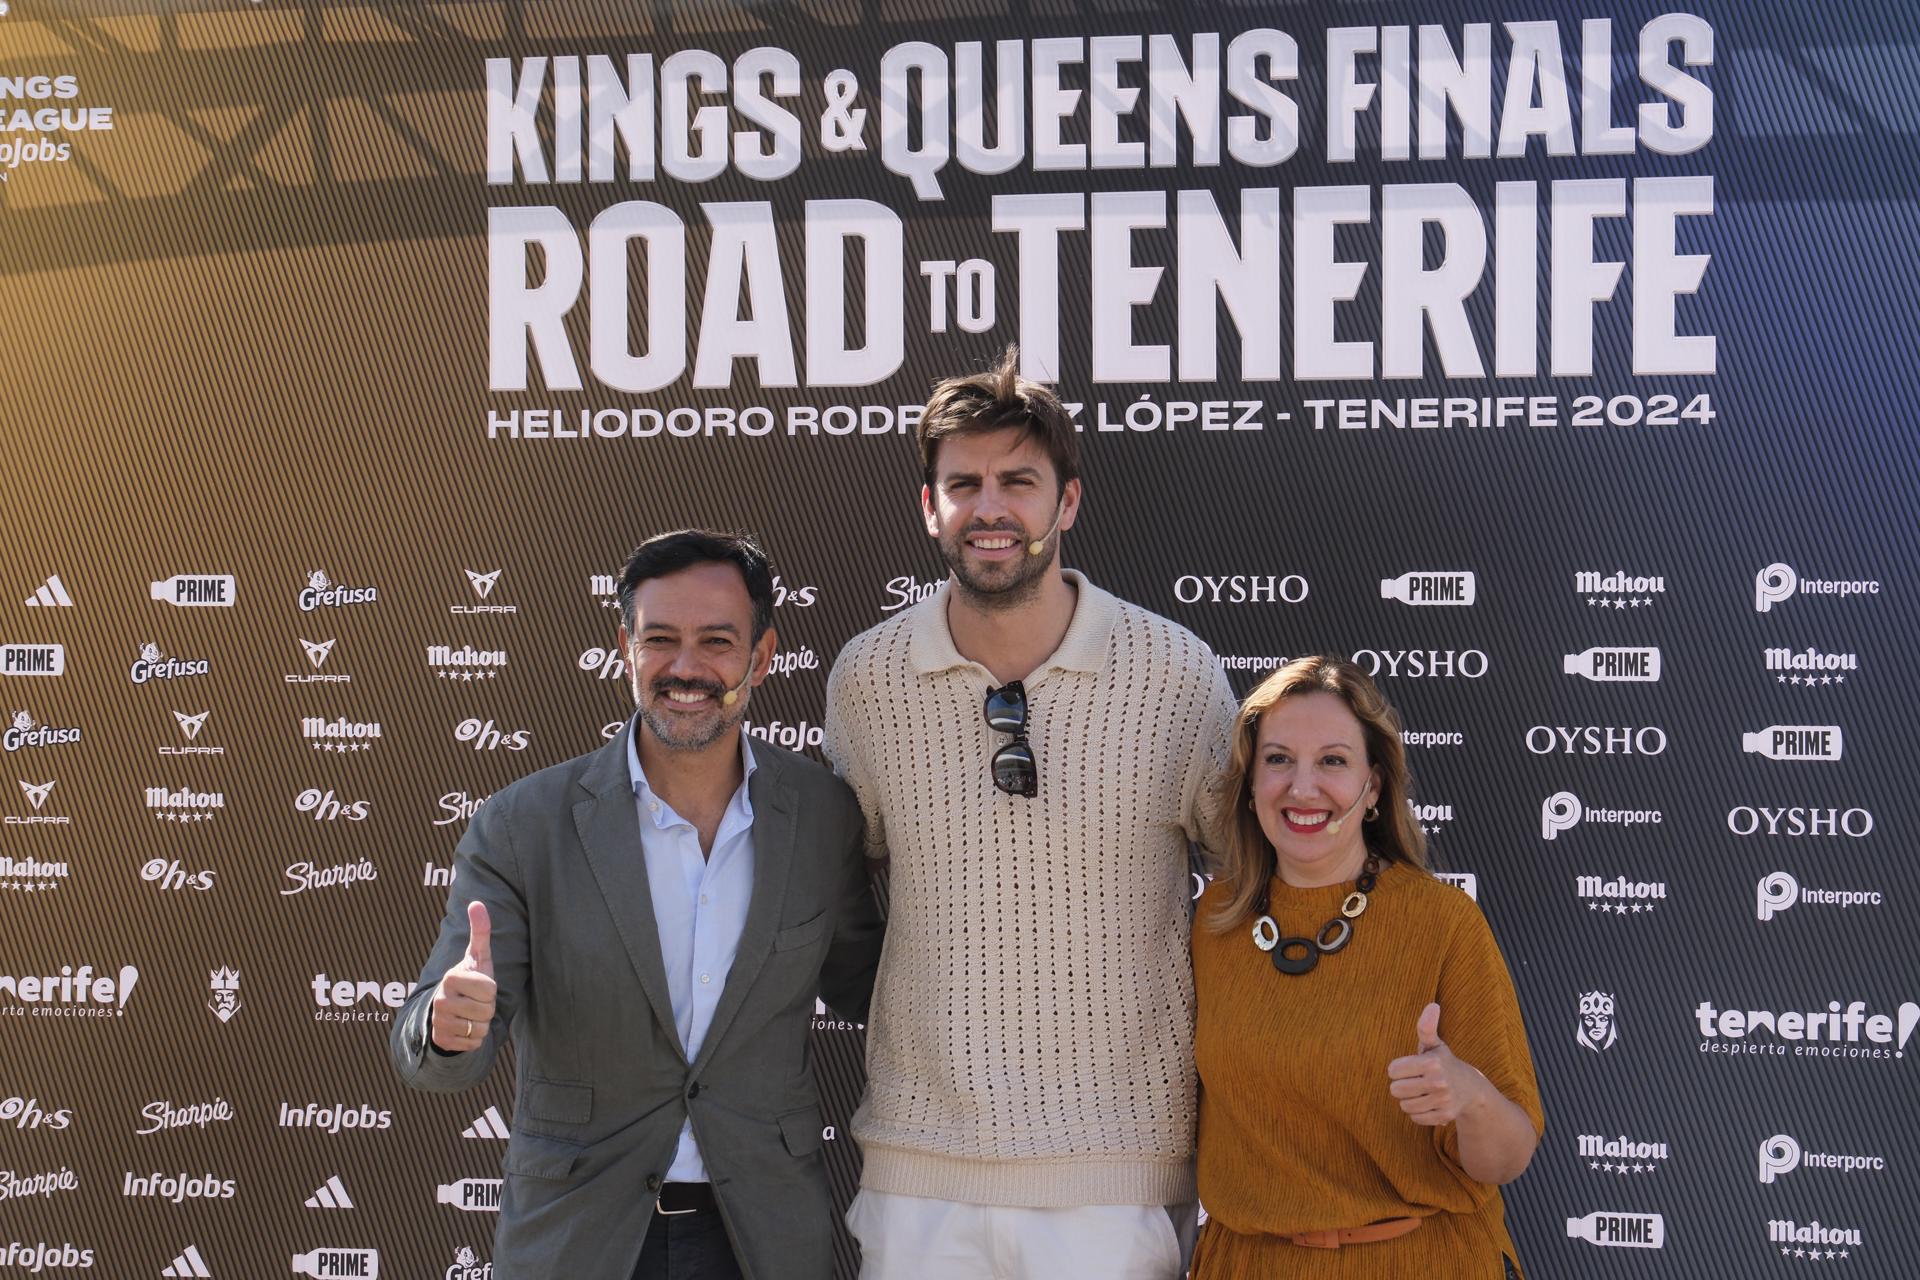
(911, 1238)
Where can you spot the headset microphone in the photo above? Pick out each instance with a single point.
(732, 695)
(1333, 828)
(1039, 544)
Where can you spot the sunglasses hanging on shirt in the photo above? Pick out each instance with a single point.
(1014, 768)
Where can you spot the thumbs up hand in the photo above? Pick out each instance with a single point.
(463, 1002)
(1433, 1086)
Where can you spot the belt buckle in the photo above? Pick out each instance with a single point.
(665, 1212)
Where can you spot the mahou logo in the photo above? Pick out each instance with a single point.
(1851, 1031)
(605, 589)
(465, 662)
(1813, 1240)
(184, 805)
(340, 734)
(1810, 666)
(1621, 1155)
(24, 735)
(1619, 589)
(1599, 1025)
(31, 875)
(1778, 582)
(1619, 895)
(155, 665)
(321, 593)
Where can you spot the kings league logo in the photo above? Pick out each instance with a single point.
(1599, 1026)
(225, 985)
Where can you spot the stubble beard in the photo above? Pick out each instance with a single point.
(1010, 586)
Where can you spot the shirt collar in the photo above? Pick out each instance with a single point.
(638, 777)
(931, 650)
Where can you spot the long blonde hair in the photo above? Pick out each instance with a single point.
(1394, 835)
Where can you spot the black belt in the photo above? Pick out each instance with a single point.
(685, 1197)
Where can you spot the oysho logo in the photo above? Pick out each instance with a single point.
(1620, 896)
(1621, 1155)
(1610, 664)
(163, 1116)
(28, 1113)
(474, 1195)
(30, 875)
(184, 805)
(483, 585)
(339, 735)
(1779, 891)
(177, 1187)
(1794, 742)
(35, 1258)
(1422, 588)
(1620, 1230)
(71, 993)
(1596, 740)
(1422, 664)
(169, 875)
(302, 876)
(798, 597)
(907, 590)
(318, 651)
(335, 1117)
(1778, 582)
(466, 662)
(1599, 1026)
(1562, 811)
(33, 659)
(24, 735)
(155, 665)
(338, 999)
(1240, 588)
(788, 661)
(325, 808)
(1781, 1155)
(1799, 820)
(1619, 589)
(1835, 1032)
(196, 590)
(483, 736)
(225, 1001)
(16, 1186)
(320, 593)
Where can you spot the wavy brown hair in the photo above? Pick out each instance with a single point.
(1394, 836)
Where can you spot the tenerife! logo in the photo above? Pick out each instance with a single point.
(324, 808)
(483, 585)
(318, 651)
(184, 805)
(1610, 664)
(1834, 1032)
(907, 590)
(51, 594)
(1746, 820)
(172, 877)
(33, 659)
(482, 736)
(27, 1113)
(1599, 1026)
(320, 593)
(1562, 811)
(1779, 891)
(1620, 1230)
(1619, 589)
(225, 985)
(154, 665)
(1621, 1155)
(1620, 895)
(24, 734)
(36, 794)
(1595, 740)
(337, 999)
(332, 1118)
(1778, 582)
(1420, 588)
(1793, 1239)
(196, 590)
(1809, 667)
(162, 1115)
(190, 727)
(1240, 588)
(474, 1195)
(340, 734)
(30, 875)
(1794, 742)
(466, 662)
(1781, 1155)
(68, 993)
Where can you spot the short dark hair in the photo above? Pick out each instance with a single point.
(667, 553)
(991, 401)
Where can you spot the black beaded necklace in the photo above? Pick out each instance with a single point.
(1266, 934)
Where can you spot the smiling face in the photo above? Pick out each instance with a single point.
(690, 645)
(1310, 768)
(994, 492)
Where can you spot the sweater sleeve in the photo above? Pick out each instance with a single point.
(1480, 1021)
(1203, 812)
(843, 739)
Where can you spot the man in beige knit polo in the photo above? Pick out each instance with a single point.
(1033, 756)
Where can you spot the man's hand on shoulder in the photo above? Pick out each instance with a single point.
(463, 1002)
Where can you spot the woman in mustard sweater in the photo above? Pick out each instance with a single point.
(1365, 1084)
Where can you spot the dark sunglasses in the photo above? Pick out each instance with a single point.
(1014, 769)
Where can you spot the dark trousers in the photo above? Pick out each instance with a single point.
(688, 1246)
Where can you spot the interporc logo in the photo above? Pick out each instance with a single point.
(483, 585)
(33, 659)
(24, 734)
(1834, 1032)
(1619, 895)
(1620, 1230)
(196, 591)
(1779, 891)
(1782, 1154)
(1563, 811)
(152, 664)
(1430, 588)
(1619, 589)
(321, 593)
(1794, 742)
(1599, 1025)
(1778, 582)
(1621, 1155)
(1610, 664)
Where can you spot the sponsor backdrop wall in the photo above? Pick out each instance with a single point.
(1552, 361)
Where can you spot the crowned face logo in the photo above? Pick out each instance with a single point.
(225, 985)
(1599, 1025)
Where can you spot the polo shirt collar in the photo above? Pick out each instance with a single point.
(1084, 648)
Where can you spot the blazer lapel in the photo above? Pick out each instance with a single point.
(775, 813)
(609, 830)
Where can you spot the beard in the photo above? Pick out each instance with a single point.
(1006, 585)
(682, 733)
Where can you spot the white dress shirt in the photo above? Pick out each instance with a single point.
(700, 906)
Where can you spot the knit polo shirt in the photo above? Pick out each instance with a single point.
(1031, 1037)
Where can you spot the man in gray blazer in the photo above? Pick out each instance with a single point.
(650, 923)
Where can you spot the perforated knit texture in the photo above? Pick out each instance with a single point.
(1031, 1040)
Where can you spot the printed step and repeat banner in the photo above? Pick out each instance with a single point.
(1553, 361)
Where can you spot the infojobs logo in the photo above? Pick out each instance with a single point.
(321, 593)
(1240, 588)
(1608, 665)
(1621, 1155)
(33, 659)
(1619, 589)
(26, 735)
(1599, 1025)
(1794, 742)
(334, 1117)
(155, 665)
(1430, 588)
(1849, 1032)
(1779, 582)
(483, 585)
(1780, 890)
(1562, 811)
(1781, 1154)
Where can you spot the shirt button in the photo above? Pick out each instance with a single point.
(653, 806)
(703, 899)
(653, 1182)
(705, 978)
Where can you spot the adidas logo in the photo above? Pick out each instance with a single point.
(189, 1263)
(331, 1195)
(491, 1126)
(52, 594)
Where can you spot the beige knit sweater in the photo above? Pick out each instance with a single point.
(1031, 1039)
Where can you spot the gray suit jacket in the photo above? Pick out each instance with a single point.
(603, 1085)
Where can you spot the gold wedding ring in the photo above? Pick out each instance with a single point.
(468, 1034)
